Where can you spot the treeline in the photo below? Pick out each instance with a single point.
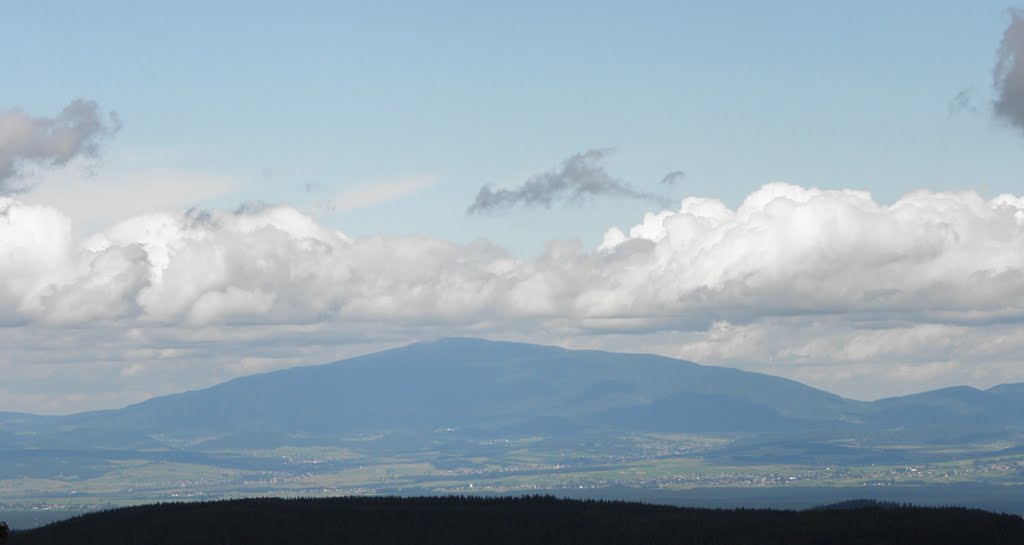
(534, 520)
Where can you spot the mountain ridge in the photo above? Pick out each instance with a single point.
(1004, 388)
(448, 413)
(495, 387)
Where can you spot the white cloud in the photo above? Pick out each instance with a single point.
(35, 251)
(790, 250)
(862, 360)
(829, 287)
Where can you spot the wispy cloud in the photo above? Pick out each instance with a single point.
(26, 140)
(673, 177)
(125, 187)
(961, 102)
(378, 192)
(579, 177)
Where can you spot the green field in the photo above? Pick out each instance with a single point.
(533, 464)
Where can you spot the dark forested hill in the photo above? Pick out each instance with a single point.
(534, 520)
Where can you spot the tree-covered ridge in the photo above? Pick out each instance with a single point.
(534, 519)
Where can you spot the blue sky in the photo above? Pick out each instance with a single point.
(382, 121)
(337, 95)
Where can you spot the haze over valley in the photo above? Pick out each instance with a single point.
(470, 416)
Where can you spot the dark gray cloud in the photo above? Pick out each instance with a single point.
(577, 178)
(76, 131)
(1008, 74)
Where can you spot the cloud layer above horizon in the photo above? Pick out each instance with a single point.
(829, 287)
(786, 251)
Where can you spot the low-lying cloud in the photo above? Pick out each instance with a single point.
(826, 286)
(26, 140)
(578, 178)
(787, 250)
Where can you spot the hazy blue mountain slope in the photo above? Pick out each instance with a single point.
(1007, 389)
(959, 411)
(485, 388)
(470, 383)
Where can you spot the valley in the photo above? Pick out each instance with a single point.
(466, 416)
(645, 466)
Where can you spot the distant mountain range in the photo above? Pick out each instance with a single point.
(490, 388)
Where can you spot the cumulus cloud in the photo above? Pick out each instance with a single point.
(787, 250)
(34, 240)
(579, 177)
(26, 140)
(826, 286)
(258, 264)
(791, 250)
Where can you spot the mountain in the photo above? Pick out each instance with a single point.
(468, 415)
(485, 388)
(955, 412)
(468, 384)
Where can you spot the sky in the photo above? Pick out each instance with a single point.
(191, 192)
